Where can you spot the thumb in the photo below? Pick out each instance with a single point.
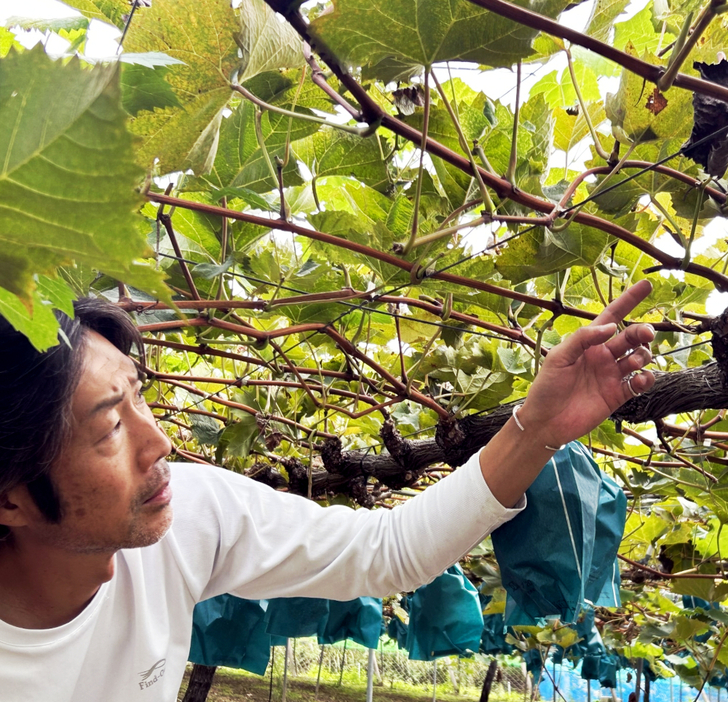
(570, 350)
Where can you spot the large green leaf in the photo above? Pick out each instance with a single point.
(39, 325)
(144, 88)
(602, 18)
(623, 198)
(283, 88)
(265, 42)
(540, 252)
(56, 24)
(7, 41)
(332, 152)
(68, 175)
(560, 92)
(538, 120)
(240, 162)
(455, 183)
(640, 33)
(570, 129)
(422, 32)
(201, 34)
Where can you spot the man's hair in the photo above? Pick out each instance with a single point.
(36, 392)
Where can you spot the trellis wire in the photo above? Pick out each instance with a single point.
(680, 152)
(353, 307)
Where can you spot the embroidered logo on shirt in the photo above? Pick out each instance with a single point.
(146, 676)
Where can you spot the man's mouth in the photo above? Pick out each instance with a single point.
(163, 492)
(161, 496)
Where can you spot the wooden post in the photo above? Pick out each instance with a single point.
(200, 683)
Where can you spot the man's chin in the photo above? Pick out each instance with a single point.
(150, 533)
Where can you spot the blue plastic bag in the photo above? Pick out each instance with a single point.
(293, 617)
(602, 587)
(230, 631)
(558, 552)
(359, 620)
(590, 647)
(445, 618)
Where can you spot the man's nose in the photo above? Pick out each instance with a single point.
(156, 443)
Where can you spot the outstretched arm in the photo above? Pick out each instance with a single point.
(582, 381)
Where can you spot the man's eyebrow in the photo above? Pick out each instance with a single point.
(106, 404)
(114, 399)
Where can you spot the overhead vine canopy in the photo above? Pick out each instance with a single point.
(348, 260)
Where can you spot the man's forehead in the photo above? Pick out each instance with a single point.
(105, 373)
(100, 355)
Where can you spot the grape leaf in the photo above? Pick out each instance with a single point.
(628, 108)
(144, 88)
(68, 176)
(540, 252)
(240, 162)
(186, 136)
(415, 33)
(331, 152)
(265, 42)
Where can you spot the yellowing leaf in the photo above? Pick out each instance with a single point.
(560, 92)
(111, 11)
(629, 110)
(200, 33)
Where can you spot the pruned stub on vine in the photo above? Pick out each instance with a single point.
(719, 342)
(297, 475)
(711, 118)
(449, 437)
(396, 445)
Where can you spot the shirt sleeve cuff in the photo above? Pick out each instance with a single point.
(480, 487)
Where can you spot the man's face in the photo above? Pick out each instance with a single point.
(111, 479)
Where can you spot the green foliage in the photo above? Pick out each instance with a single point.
(396, 37)
(111, 11)
(186, 136)
(317, 323)
(68, 177)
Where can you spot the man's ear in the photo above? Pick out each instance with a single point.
(16, 507)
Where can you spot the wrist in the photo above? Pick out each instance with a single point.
(534, 429)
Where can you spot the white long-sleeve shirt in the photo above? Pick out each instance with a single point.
(231, 534)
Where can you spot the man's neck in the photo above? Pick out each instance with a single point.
(43, 586)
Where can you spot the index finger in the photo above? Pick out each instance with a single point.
(616, 311)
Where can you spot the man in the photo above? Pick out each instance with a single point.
(105, 549)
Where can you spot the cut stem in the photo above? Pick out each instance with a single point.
(511, 172)
(582, 106)
(485, 195)
(423, 143)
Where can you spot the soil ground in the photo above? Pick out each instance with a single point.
(237, 686)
